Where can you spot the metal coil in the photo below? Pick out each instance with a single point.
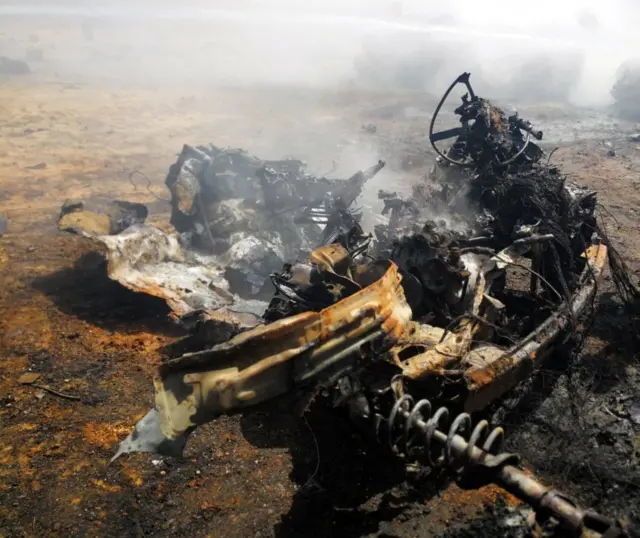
(412, 429)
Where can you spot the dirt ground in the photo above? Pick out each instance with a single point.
(267, 473)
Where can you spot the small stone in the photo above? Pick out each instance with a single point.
(28, 378)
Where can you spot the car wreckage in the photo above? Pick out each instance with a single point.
(473, 283)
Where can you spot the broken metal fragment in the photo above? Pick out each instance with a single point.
(147, 436)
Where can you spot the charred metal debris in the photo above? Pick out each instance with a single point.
(477, 277)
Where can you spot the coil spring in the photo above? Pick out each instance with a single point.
(420, 428)
(462, 446)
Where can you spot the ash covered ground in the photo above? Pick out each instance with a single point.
(577, 424)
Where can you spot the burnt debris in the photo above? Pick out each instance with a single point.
(222, 196)
(496, 256)
(257, 214)
(237, 219)
(464, 292)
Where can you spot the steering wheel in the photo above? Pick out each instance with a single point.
(457, 131)
(449, 133)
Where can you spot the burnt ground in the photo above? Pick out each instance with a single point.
(576, 424)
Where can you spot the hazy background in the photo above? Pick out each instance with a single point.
(545, 50)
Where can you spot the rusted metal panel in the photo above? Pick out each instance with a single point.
(271, 360)
(488, 383)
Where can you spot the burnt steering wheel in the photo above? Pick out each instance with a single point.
(457, 131)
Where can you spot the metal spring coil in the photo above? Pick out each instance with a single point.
(420, 428)
(461, 447)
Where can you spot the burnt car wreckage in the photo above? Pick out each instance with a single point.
(411, 331)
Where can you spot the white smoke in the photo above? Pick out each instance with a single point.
(577, 44)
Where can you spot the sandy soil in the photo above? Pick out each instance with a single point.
(256, 475)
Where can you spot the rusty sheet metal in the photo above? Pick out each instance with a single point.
(268, 361)
(271, 360)
(334, 258)
(502, 373)
(453, 345)
(417, 339)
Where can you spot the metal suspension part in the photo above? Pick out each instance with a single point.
(474, 455)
